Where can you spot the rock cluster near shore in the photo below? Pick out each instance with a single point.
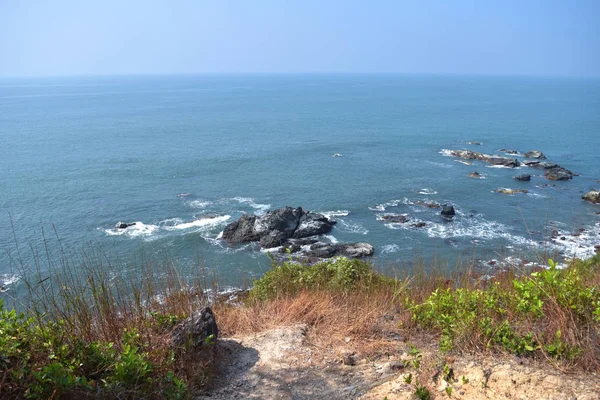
(553, 171)
(294, 230)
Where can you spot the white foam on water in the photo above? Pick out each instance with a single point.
(439, 164)
(199, 203)
(7, 280)
(199, 223)
(446, 152)
(261, 208)
(464, 162)
(390, 248)
(352, 227)
(580, 245)
(501, 166)
(138, 230)
(336, 213)
(427, 191)
(332, 239)
(536, 195)
(392, 203)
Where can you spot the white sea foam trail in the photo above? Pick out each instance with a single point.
(336, 213)
(139, 229)
(261, 208)
(199, 223)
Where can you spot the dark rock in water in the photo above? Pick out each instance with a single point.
(475, 143)
(522, 178)
(395, 219)
(535, 154)
(490, 159)
(242, 230)
(510, 191)
(541, 164)
(448, 211)
(276, 227)
(475, 175)
(593, 196)
(313, 224)
(199, 329)
(427, 204)
(503, 161)
(558, 174)
(351, 250)
(418, 224)
(509, 151)
(123, 225)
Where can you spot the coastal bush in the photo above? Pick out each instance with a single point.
(530, 315)
(291, 277)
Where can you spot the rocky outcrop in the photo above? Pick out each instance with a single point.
(593, 196)
(475, 175)
(490, 159)
(199, 329)
(554, 172)
(509, 151)
(535, 154)
(276, 227)
(559, 174)
(522, 178)
(448, 211)
(426, 204)
(402, 219)
(350, 250)
(510, 191)
(124, 225)
(540, 164)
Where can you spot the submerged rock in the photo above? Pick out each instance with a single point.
(535, 154)
(201, 328)
(124, 225)
(427, 204)
(510, 191)
(475, 175)
(593, 196)
(395, 219)
(522, 178)
(276, 227)
(475, 143)
(351, 250)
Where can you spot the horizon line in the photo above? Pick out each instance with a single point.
(298, 73)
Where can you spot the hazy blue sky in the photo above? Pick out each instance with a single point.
(65, 37)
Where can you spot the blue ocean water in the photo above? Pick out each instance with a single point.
(185, 155)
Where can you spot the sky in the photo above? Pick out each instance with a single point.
(491, 37)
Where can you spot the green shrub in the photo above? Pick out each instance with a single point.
(290, 277)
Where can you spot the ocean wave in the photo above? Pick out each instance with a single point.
(199, 223)
(7, 280)
(138, 230)
(392, 203)
(502, 167)
(389, 248)
(199, 203)
(332, 239)
(578, 245)
(336, 213)
(352, 227)
(261, 208)
(427, 191)
(446, 152)
(150, 231)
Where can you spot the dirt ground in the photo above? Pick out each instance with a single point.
(283, 364)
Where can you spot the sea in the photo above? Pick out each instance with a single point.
(183, 156)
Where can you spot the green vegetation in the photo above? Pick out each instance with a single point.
(91, 335)
(522, 315)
